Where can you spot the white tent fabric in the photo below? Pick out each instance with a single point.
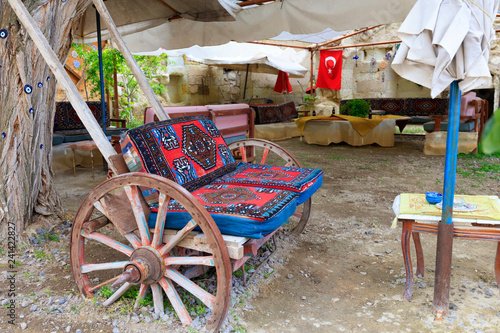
(262, 58)
(447, 40)
(132, 16)
(257, 23)
(314, 38)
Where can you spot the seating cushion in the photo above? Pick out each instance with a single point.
(462, 127)
(303, 181)
(187, 150)
(239, 211)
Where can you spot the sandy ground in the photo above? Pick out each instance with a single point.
(345, 273)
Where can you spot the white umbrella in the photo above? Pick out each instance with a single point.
(447, 42)
(444, 41)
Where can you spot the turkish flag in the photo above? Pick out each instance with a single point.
(330, 70)
(282, 83)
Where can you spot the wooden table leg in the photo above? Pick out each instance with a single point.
(497, 265)
(420, 254)
(405, 244)
(74, 166)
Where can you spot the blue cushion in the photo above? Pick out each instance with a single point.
(462, 127)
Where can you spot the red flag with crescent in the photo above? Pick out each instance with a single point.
(330, 70)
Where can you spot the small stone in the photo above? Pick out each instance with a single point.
(62, 301)
(251, 270)
(54, 251)
(453, 307)
(289, 276)
(369, 232)
(68, 329)
(388, 251)
(5, 302)
(41, 274)
(33, 308)
(23, 326)
(25, 303)
(115, 322)
(135, 319)
(147, 319)
(78, 331)
(421, 285)
(116, 330)
(304, 298)
(488, 292)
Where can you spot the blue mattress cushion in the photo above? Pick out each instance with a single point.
(251, 212)
(303, 181)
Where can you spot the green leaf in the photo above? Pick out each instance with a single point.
(490, 140)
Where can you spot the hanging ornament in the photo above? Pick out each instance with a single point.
(356, 57)
(40, 84)
(3, 33)
(4, 135)
(76, 63)
(383, 65)
(383, 76)
(388, 56)
(74, 54)
(28, 89)
(373, 63)
(41, 146)
(31, 110)
(48, 78)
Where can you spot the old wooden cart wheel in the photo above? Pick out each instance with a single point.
(280, 157)
(148, 262)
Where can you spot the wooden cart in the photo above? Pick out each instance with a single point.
(114, 214)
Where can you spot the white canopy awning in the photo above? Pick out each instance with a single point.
(260, 58)
(269, 20)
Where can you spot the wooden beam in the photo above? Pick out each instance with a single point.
(347, 36)
(129, 58)
(64, 80)
(359, 45)
(282, 45)
(252, 2)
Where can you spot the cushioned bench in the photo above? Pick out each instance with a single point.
(244, 199)
(69, 128)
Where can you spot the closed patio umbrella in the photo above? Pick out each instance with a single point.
(447, 42)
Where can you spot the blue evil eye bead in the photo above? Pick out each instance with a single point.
(64, 0)
(28, 89)
(3, 33)
(31, 110)
(4, 135)
(355, 57)
(48, 78)
(388, 55)
(40, 84)
(41, 146)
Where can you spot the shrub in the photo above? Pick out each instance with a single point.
(356, 107)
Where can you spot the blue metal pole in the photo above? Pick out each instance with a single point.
(444, 247)
(450, 165)
(101, 71)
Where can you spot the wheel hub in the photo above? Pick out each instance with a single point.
(145, 266)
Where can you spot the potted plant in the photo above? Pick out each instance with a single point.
(356, 108)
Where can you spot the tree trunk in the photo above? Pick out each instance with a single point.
(26, 136)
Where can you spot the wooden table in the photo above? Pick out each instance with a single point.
(470, 227)
(83, 145)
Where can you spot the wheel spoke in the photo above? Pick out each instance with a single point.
(86, 268)
(177, 238)
(176, 301)
(157, 298)
(264, 156)
(206, 261)
(117, 294)
(204, 296)
(243, 152)
(133, 195)
(160, 220)
(140, 295)
(133, 239)
(109, 242)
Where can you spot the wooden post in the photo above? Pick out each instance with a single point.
(64, 80)
(129, 58)
(312, 73)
